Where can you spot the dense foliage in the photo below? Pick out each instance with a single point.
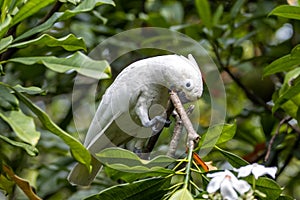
(45, 44)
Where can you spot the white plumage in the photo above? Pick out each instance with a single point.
(124, 111)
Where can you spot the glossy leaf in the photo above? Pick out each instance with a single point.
(7, 100)
(84, 6)
(216, 135)
(30, 150)
(291, 12)
(98, 69)
(130, 174)
(69, 42)
(4, 26)
(22, 125)
(152, 188)
(79, 152)
(228, 131)
(233, 159)
(267, 186)
(203, 9)
(284, 63)
(182, 194)
(287, 95)
(5, 42)
(29, 90)
(44, 26)
(115, 156)
(29, 8)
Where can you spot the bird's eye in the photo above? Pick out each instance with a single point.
(188, 84)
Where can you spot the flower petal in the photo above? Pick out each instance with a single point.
(227, 190)
(260, 170)
(244, 171)
(216, 174)
(214, 184)
(272, 171)
(241, 186)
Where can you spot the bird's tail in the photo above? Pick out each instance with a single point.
(80, 174)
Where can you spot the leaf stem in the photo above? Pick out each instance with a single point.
(189, 164)
(253, 183)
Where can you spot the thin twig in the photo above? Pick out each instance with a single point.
(249, 93)
(192, 135)
(283, 121)
(177, 131)
(176, 136)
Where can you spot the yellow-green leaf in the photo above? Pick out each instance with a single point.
(22, 125)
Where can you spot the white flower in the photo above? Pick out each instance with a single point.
(228, 185)
(257, 170)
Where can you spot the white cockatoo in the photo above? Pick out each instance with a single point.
(127, 104)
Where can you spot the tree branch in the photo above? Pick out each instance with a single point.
(283, 121)
(250, 95)
(192, 135)
(177, 131)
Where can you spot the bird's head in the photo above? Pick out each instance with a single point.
(186, 79)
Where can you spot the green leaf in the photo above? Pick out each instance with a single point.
(291, 12)
(228, 131)
(46, 25)
(233, 159)
(4, 26)
(236, 8)
(4, 5)
(284, 197)
(69, 42)
(5, 42)
(130, 174)
(98, 69)
(139, 168)
(218, 14)
(182, 194)
(7, 100)
(287, 95)
(6, 184)
(22, 125)
(123, 164)
(298, 116)
(32, 90)
(116, 156)
(152, 188)
(203, 9)
(267, 186)
(217, 134)
(31, 150)
(2, 73)
(29, 8)
(79, 152)
(85, 6)
(284, 63)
